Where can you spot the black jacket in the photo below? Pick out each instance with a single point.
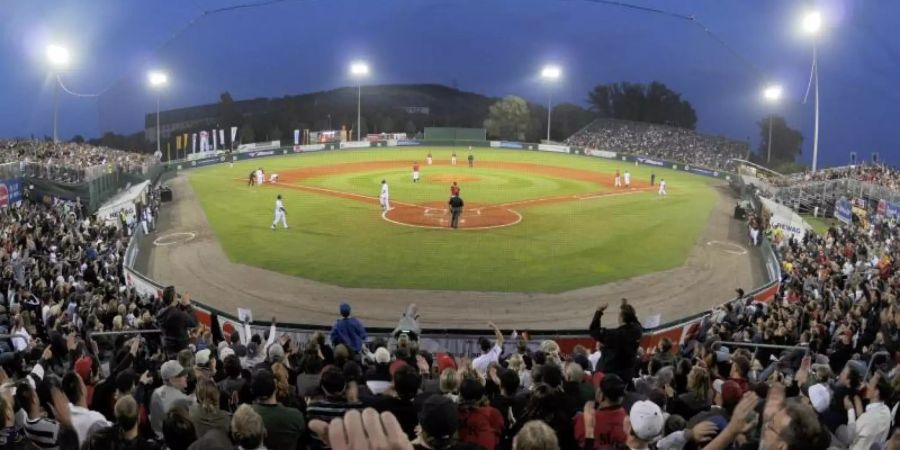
(620, 346)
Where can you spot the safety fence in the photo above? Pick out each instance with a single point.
(457, 341)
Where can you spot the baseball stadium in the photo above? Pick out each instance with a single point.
(446, 225)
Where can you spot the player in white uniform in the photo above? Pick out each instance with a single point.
(280, 213)
(384, 197)
(260, 176)
(273, 178)
(662, 186)
(453, 159)
(428, 159)
(627, 177)
(618, 181)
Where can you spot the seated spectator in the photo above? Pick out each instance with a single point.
(126, 413)
(248, 429)
(399, 401)
(439, 423)
(536, 435)
(332, 400)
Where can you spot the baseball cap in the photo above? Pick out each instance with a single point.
(731, 393)
(439, 417)
(820, 397)
(396, 365)
(382, 355)
(647, 420)
(445, 361)
(171, 369)
(225, 352)
(83, 368)
(201, 358)
(276, 353)
(345, 309)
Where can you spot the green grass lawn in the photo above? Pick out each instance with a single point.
(556, 247)
(821, 224)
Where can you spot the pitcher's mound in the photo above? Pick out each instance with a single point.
(452, 178)
(437, 215)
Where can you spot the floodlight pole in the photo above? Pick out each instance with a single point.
(769, 156)
(157, 123)
(816, 123)
(549, 108)
(56, 110)
(358, 110)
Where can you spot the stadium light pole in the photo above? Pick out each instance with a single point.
(58, 57)
(359, 70)
(772, 94)
(812, 24)
(551, 74)
(157, 81)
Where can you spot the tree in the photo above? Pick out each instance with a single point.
(786, 142)
(509, 118)
(246, 134)
(387, 124)
(410, 128)
(653, 103)
(227, 112)
(567, 118)
(77, 139)
(275, 134)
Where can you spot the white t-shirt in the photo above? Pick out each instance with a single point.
(662, 184)
(278, 206)
(482, 362)
(627, 177)
(384, 190)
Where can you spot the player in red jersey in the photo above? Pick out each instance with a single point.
(415, 172)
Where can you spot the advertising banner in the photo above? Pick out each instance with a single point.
(258, 146)
(650, 162)
(553, 148)
(222, 137)
(892, 210)
(600, 153)
(233, 135)
(142, 286)
(308, 148)
(207, 161)
(355, 144)
(296, 137)
(10, 192)
(260, 154)
(786, 219)
(124, 201)
(510, 144)
(194, 143)
(843, 211)
(407, 142)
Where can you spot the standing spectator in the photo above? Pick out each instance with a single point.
(126, 411)
(248, 429)
(478, 423)
(175, 320)
(406, 383)
(607, 419)
(205, 414)
(348, 330)
(83, 420)
(620, 344)
(42, 431)
(285, 426)
(170, 395)
(178, 431)
(872, 427)
(536, 435)
(489, 354)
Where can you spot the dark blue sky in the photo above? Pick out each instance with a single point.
(494, 47)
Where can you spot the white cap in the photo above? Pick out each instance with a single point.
(382, 355)
(820, 397)
(202, 357)
(225, 352)
(647, 420)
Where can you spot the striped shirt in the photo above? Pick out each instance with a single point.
(43, 432)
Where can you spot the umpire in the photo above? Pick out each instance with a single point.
(456, 206)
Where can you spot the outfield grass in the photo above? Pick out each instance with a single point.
(556, 247)
(821, 224)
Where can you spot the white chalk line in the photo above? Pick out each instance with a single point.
(432, 227)
(158, 241)
(720, 244)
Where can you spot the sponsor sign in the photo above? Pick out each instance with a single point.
(259, 146)
(308, 148)
(553, 148)
(205, 162)
(843, 211)
(892, 210)
(785, 219)
(10, 192)
(495, 144)
(355, 144)
(701, 171)
(407, 142)
(141, 285)
(600, 153)
(263, 153)
(651, 162)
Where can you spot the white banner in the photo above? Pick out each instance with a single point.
(600, 153)
(553, 148)
(495, 144)
(355, 144)
(124, 201)
(222, 137)
(296, 137)
(233, 135)
(309, 148)
(204, 141)
(215, 140)
(786, 219)
(143, 287)
(257, 146)
(193, 142)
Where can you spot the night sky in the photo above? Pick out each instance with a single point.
(493, 47)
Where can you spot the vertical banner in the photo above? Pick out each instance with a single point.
(233, 135)
(215, 140)
(204, 141)
(296, 137)
(222, 137)
(177, 142)
(194, 143)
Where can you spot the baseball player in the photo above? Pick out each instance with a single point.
(273, 178)
(471, 160)
(662, 186)
(260, 176)
(453, 159)
(652, 179)
(428, 159)
(415, 172)
(627, 176)
(384, 197)
(618, 182)
(251, 178)
(280, 213)
(454, 190)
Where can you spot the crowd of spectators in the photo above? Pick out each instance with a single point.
(660, 141)
(827, 380)
(877, 174)
(70, 162)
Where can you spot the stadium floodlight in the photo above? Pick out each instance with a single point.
(550, 73)
(158, 79)
(772, 93)
(58, 57)
(359, 69)
(812, 22)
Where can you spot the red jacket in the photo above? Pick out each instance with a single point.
(481, 426)
(607, 428)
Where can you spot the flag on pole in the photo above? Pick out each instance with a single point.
(296, 137)
(215, 140)
(194, 143)
(233, 135)
(204, 141)
(178, 142)
(222, 137)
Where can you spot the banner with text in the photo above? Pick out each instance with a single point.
(553, 148)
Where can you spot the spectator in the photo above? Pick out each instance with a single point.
(205, 413)
(83, 420)
(127, 419)
(489, 353)
(175, 320)
(439, 421)
(399, 402)
(620, 345)
(285, 427)
(608, 418)
(479, 423)
(170, 395)
(248, 428)
(872, 427)
(178, 431)
(536, 435)
(348, 330)
(332, 400)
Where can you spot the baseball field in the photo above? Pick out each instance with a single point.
(532, 222)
